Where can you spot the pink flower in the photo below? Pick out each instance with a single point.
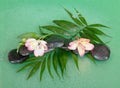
(38, 46)
(81, 45)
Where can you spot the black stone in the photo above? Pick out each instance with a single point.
(101, 52)
(23, 51)
(75, 51)
(54, 44)
(15, 57)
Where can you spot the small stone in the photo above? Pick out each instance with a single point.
(23, 51)
(55, 44)
(75, 51)
(101, 52)
(15, 57)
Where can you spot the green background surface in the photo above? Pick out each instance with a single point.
(20, 16)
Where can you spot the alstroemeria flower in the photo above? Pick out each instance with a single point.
(81, 45)
(38, 46)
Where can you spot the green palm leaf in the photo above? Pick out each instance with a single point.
(49, 58)
(62, 58)
(93, 36)
(43, 64)
(32, 59)
(34, 69)
(41, 31)
(81, 17)
(54, 29)
(83, 35)
(65, 58)
(75, 58)
(66, 24)
(97, 31)
(98, 25)
(61, 65)
(91, 57)
(60, 62)
(55, 63)
(57, 30)
(73, 18)
(27, 66)
(29, 35)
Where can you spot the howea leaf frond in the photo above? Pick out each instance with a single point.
(67, 31)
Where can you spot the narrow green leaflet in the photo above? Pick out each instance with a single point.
(60, 62)
(58, 31)
(34, 69)
(20, 44)
(61, 65)
(91, 58)
(83, 35)
(42, 68)
(55, 63)
(75, 58)
(62, 58)
(49, 57)
(81, 17)
(66, 24)
(97, 31)
(27, 66)
(54, 29)
(73, 18)
(93, 36)
(32, 59)
(41, 31)
(29, 35)
(98, 25)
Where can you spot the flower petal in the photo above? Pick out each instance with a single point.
(45, 47)
(72, 45)
(42, 42)
(83, 40)
(81, 50)
(28, 41)
(39, 52)
(32, 45)
(88, 46)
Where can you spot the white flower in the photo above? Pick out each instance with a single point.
(38, 46)
(81, 45)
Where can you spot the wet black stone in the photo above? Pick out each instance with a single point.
(101, 52)
(55, 44)
(23, 51)
(65, 48)
(15, 57)
(75, 51)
